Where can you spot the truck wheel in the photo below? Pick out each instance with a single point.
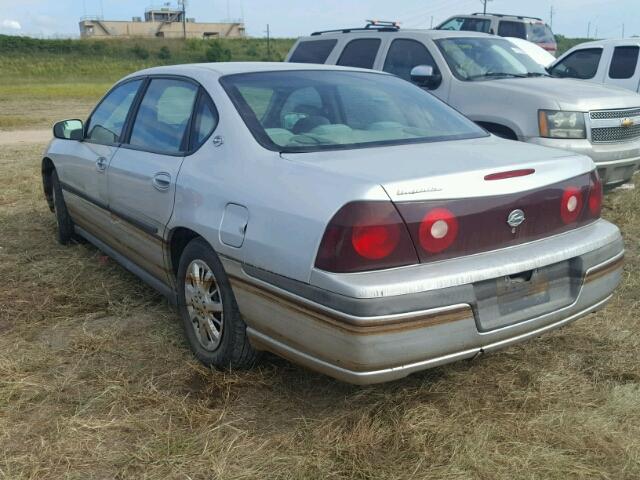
(64, 233)
(212, 322)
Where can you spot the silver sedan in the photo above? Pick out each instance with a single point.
(341, 218)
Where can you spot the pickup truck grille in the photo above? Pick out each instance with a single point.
(611, 126)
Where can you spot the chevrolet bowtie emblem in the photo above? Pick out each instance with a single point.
(627, 122)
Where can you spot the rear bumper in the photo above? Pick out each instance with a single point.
(368, 339)
(616, 162)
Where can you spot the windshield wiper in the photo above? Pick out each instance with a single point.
(497, 74)
(537, 74)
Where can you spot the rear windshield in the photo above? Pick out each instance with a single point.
(313, 51)
(329, 110)
(540, 33)
(467, 24)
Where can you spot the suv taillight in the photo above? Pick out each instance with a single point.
(365, 235)
(595, 195)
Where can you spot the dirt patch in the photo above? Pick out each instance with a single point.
(25, 137)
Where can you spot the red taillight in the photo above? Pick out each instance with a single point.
(365, 236)
(571, 204)
(438, 230)
(595, 196)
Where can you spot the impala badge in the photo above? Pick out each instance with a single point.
(515, 219)
(627, 122)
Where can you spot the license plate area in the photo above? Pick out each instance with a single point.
(515, 298)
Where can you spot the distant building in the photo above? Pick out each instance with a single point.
(162, 22)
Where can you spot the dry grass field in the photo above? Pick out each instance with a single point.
(97, 382)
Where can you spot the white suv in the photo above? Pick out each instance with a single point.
(528, 28)
(498, 86)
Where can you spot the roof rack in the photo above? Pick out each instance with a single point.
(372, 25)
(521, 17)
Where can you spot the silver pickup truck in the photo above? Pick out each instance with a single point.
(498, 86)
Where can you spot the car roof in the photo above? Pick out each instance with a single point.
(434, 34)
(230, 68)
(521, 18)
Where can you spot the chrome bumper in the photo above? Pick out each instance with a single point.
(376, 339)
(616, 162)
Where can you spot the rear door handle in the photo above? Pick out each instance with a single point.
(162, 181)
(101, 164)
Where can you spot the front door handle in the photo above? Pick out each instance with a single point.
(101, 164)
(162, 181)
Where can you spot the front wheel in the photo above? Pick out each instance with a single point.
(64, 233)
(210, 316)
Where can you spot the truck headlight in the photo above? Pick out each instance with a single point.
(560, 124)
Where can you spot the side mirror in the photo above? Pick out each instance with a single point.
(424, 76)
(69, 130)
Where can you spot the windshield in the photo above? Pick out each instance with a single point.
(486, 58)
(301, 111)
(540, 33)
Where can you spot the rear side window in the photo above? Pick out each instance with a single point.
(467, 24)
(623, 62)
(360, 53)
(512, 29)
(540, 33)
(204, 122)
(163, 116)
(313, 51)
(404, 54)
(582, 64)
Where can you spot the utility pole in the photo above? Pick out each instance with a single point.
(484, 5)
(623, 30)
(431, 22)
(184, 19)
(588, 29)
(551, 17)
(268, 43)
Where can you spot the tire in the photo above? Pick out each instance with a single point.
(64, 233)
(208, 307)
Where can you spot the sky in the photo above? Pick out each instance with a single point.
(289, 18)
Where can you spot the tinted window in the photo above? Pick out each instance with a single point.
(467, 24)
(313, 51)
(581, 64)
(512, 29)
(360, 53)
(163, 117)
(540, 33)
(346, 110)
(204, 122)
(623, 62)
(404, 54)
(106, 123)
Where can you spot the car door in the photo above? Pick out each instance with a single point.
(405, 53)
(143, 172)
(83, 167)
(623, 68)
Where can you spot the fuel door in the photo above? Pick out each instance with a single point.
(234, 225)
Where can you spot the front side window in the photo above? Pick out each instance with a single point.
(341, 110)
(313, 51)
(107, 122)
(404, 54)
(487, 58)
(360, 53)
(623, 62)
(163, 116)
(582, 64)
(467, 24)
(205, 122)
(512, 29)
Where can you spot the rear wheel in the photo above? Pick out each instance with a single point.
(210, 316)
(64, 233)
